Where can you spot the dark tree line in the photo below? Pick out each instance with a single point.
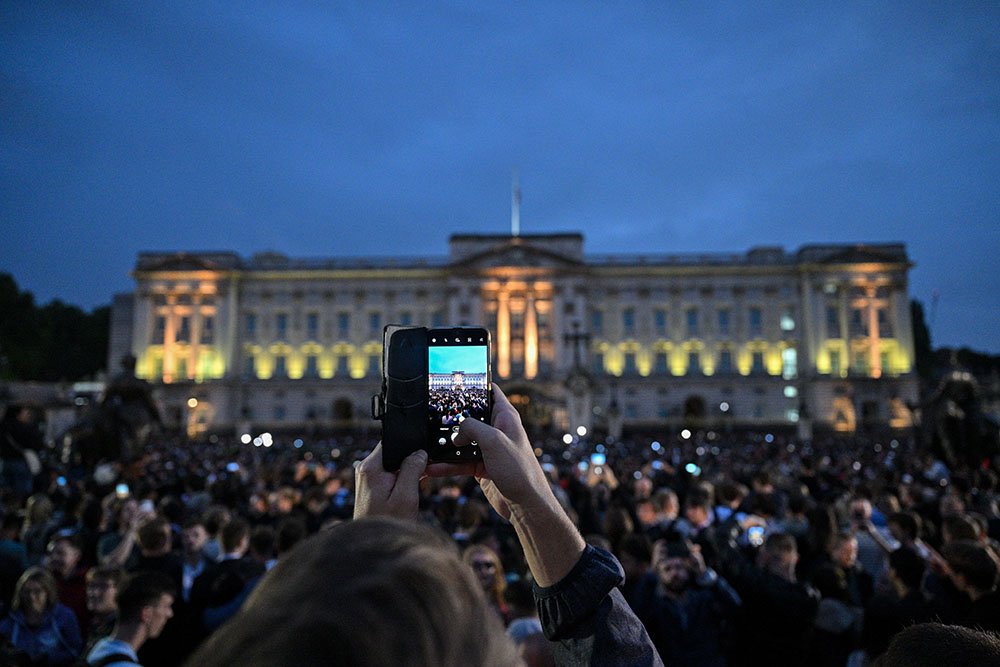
(50, 343)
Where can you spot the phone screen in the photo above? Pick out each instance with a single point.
(458, 376)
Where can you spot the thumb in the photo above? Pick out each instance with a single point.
(472, 429)
(411, 470)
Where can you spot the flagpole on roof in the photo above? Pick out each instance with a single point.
(515, 204)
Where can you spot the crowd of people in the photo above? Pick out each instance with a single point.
(451, 405)
(734, 548)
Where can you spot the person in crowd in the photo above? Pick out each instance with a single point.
(156, 554)
(65, 562)
(13, 558)
(485, 562)
(219, 592)
(845, 589)
(216, 519)
(905, 604)
(685, 605)
(635, 553)
(665, 510)
(842, 577)
(974, 568)
(404, 596)
(291, 531)
(263, 541)
(523, 613)
(38, 626)
(193, 539)
(698, 523)
(774, 624)
(869, 537)
(938, 645)
(20, 441)
(118, 548)
(102, 588)
(145, 605)
(39, 524)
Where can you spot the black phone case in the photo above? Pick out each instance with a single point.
(404, 394)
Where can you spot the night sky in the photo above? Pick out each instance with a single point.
(327, 129)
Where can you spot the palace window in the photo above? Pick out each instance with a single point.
(312, 326)
(207, 330)
(184, 330)
(832, 322)
(724, 321)
(281, 326)
(159, 330)
(691, 317)
(694, 363)
(725, 362)
(628, 321)
(661, 365)
(660, 321)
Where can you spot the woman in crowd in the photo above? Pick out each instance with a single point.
(486, 564)
(38, 627)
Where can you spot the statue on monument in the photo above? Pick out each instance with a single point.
(118, 428)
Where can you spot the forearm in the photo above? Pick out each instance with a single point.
(118, 556)
(552, 544)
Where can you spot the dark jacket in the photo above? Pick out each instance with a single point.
(589, 619)
(688, 630)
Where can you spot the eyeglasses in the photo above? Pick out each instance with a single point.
(100, 585)
(483, 565)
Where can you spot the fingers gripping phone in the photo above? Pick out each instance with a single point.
(433, 380)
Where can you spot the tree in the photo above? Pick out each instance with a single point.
(57, 342)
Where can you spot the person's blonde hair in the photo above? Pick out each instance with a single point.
(499, 584)
(41, 576)
(369, 593)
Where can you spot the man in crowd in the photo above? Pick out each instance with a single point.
(973, 568)
(685, 605)
(102, 589)
(144, 607)
(218, 593)
(64, 561)
(775, 621)
(904, 605)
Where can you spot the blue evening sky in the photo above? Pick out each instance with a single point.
(468, 358)
(321, 128)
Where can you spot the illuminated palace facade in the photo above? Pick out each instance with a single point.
(821, 335)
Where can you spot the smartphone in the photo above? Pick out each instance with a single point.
(121, 491)
(458, 387)
(755, 535)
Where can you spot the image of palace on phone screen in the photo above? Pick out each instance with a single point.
(458, 383)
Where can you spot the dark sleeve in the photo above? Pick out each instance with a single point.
(587, 617)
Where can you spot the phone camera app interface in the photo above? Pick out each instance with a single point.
(459, 389)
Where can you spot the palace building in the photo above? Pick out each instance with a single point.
(820, 336)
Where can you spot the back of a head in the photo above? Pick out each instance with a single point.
(937, 645)
(154, 535)
(974, 561)
(233, 534)
(371, 592)
(908, 566)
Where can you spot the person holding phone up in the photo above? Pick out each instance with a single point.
(384, 590)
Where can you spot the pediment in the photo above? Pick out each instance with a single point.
(519, 254)
(861, 255)
(186, 262)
